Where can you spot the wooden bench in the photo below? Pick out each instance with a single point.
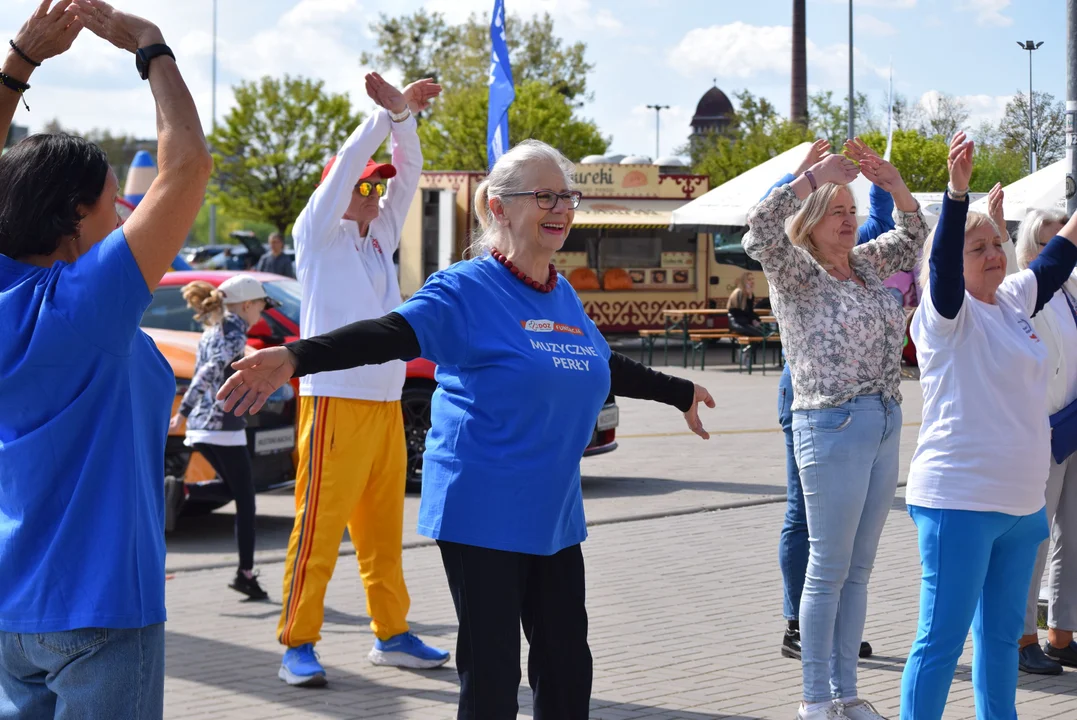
(747, 345)
(647, 345)
(699, 340)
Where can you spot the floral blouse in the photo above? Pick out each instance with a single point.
(841, 340)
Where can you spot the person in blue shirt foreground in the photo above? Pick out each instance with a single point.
(86, 396)
(977, 481)
(522, 374)
(793, 545)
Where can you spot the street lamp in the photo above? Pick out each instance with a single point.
(657, 113)
(213, 124)
(1030, 45)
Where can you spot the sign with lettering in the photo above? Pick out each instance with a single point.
(617, 180)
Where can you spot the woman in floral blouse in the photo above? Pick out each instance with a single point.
(843, 331)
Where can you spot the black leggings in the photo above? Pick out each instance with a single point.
(494, 591)
(233, 465)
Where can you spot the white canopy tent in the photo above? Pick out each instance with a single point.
(1044, 188)
(729, 203)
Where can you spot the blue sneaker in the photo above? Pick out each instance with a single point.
(406, 650)
(300, 667)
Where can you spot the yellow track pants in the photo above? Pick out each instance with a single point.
(351, 473)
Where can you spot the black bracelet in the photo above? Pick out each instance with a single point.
(14, 85)
(20, 53)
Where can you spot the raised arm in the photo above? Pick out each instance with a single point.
(897, 249)
(46, 34)
(407, 159)
(947, 261)
(880, 215)
(159, 225)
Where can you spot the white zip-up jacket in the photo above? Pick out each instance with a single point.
(347, 277)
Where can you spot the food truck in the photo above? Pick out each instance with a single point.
(620, 255)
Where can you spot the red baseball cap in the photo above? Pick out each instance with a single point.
(385, 169)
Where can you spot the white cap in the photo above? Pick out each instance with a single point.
(241, 288)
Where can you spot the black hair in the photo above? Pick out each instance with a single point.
(44, 180)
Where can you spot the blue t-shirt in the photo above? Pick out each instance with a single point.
(521, 378)
(86, 397)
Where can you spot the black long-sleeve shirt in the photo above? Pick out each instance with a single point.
(372, 342)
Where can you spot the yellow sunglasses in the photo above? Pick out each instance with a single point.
(365, 187)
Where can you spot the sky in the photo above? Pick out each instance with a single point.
(645, 52)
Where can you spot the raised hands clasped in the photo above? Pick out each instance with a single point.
(878, 171)
(48, 33)
(124, 30)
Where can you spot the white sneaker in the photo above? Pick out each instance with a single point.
(830, 711)
(858, 710)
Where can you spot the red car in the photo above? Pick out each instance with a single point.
(168, 311)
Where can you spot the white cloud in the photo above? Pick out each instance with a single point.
(871, 25)
(743, 51)
(981, 108)
(637, 130)
(988, 12)
(579, 14)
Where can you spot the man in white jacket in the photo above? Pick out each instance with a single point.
(352, 450)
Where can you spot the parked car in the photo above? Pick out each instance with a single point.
(169, 313)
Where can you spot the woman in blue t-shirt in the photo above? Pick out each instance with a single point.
(522, 374)
(85, 394)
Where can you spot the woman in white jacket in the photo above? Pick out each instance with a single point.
(1056, 325)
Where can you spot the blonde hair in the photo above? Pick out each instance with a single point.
(1028, 233)
(973, 221)
(739, 297)
(509, 175)
(206, 301)
(800, 227)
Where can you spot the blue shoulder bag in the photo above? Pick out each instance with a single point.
(1064, 422)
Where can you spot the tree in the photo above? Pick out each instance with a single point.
(454, 137)
(907, 116)
(458, 56)
(271, 148)
(921, 160)
(1049, 120)
(943, 115)
(830, 120)
(120, 149)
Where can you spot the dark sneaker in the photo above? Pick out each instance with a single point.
(1031, 659)
(1066, 656)
(791, 646)
(248, 586)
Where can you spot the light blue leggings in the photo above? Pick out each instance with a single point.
(977, 567)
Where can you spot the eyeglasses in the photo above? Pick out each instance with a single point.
(365, 187)
(547, 199)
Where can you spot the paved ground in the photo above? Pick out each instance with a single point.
(684, 598)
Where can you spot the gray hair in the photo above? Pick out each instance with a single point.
(972, 221)
(1028, 233)
(509, 175)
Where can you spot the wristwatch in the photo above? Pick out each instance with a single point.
(143, 56)
(400, 116)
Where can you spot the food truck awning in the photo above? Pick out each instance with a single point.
(614, 212)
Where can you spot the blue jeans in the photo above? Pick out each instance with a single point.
(793, 545)
(88, 673)
(848, 459)
(977, 567)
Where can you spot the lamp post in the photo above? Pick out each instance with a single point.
(1030, 45)
(213, 124)
(657, 114)
(852, 115)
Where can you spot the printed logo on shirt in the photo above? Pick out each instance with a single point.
(377, 246)
(1028, 329)
(545, 326)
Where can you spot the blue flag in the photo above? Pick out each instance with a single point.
(502, 92)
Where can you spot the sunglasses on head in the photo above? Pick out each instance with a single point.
(366, 187)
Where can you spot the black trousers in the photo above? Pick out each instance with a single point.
(494, 592)
(233, 465)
